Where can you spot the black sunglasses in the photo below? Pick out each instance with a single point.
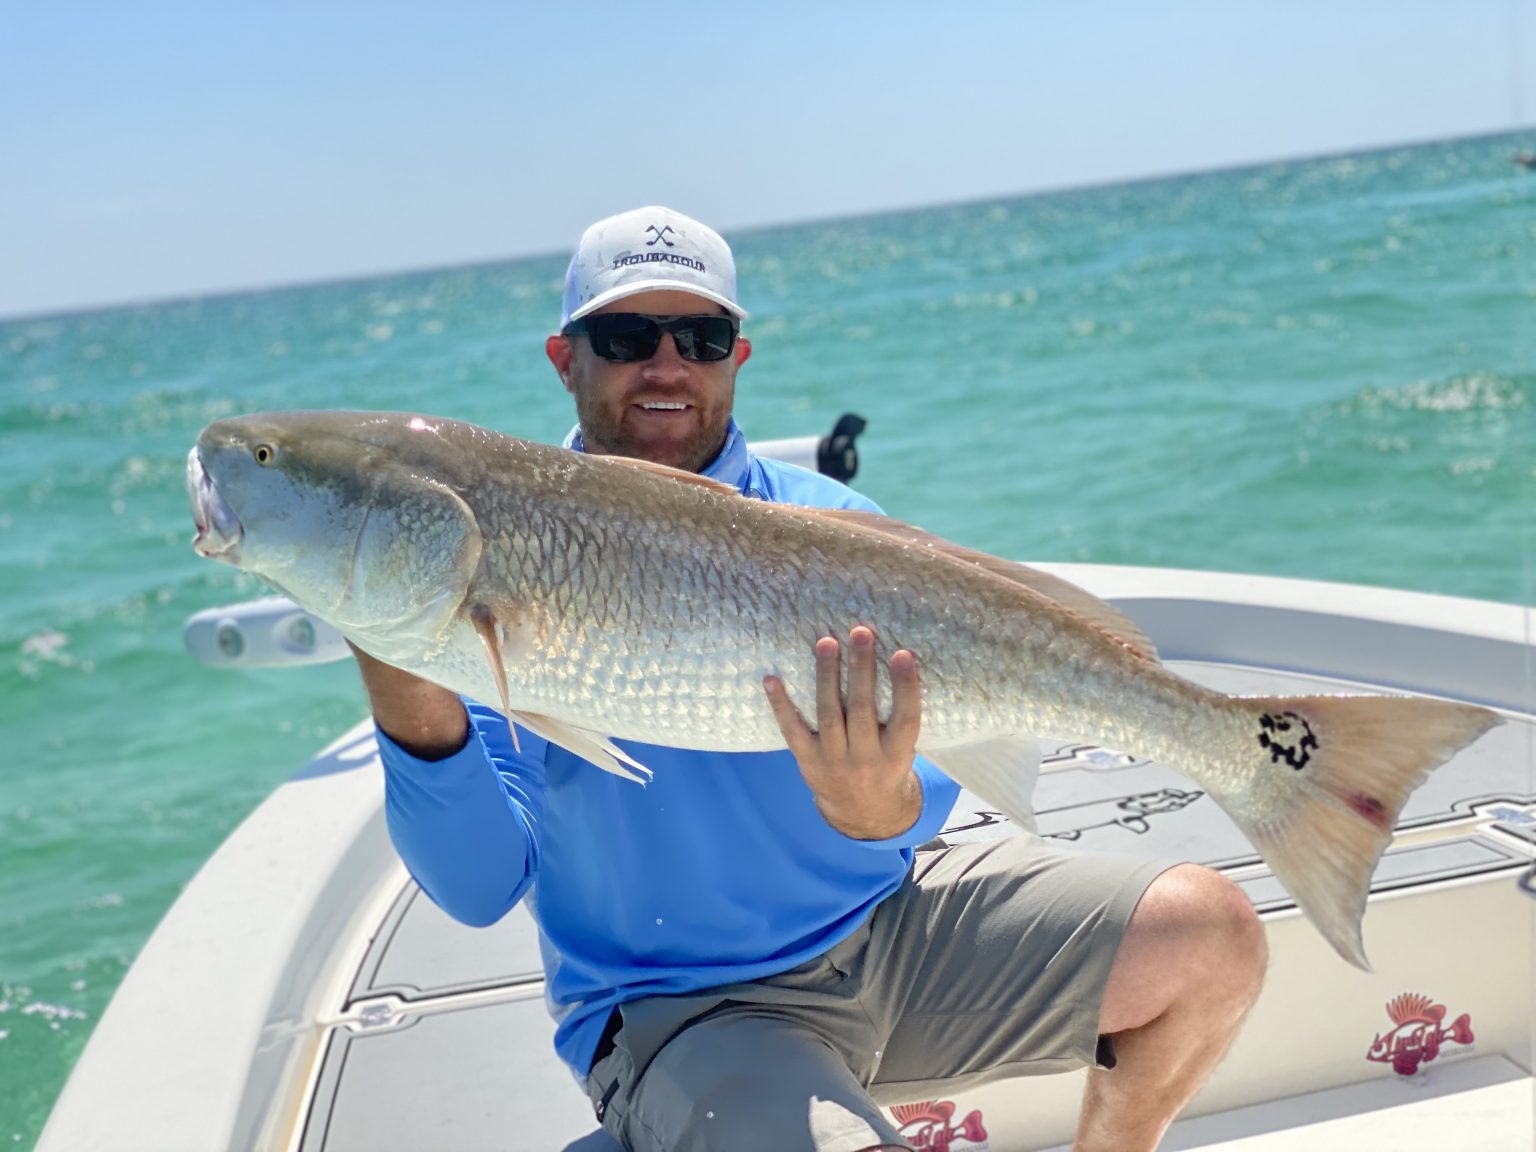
(626, 337)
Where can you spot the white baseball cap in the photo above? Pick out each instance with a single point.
(643, 250)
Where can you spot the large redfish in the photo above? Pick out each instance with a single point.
(599, 598)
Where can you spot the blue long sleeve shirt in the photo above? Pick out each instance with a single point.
(719, 870)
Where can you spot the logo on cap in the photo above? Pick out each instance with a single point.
(629, 258)
(661, 235)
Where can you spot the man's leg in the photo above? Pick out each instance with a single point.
(747, 1080)
(1189, 967)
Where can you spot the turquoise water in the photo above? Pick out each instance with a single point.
(1321, 369)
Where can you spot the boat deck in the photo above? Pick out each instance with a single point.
(434, 1003)
(377, 1023)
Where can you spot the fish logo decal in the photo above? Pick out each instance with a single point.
(1419, 1034)
(928, 1126)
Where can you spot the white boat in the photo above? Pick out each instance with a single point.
(303, 995)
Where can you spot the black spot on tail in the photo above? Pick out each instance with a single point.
(1287, 737)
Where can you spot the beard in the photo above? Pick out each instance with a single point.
(691, 445)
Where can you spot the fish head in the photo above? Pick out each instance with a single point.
(349, 514)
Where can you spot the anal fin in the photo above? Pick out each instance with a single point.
(1001, 771)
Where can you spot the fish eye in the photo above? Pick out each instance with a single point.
(265, 454)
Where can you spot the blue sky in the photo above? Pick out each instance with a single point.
(156, 149)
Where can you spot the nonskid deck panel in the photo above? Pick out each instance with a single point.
(455, 1016)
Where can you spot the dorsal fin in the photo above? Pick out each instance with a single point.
(1080, 602)
(669, 472)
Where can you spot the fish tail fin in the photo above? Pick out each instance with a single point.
(1344, 766)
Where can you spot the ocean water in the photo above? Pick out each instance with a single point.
(1322, 369)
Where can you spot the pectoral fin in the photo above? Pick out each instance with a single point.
(1002, 772)
(483, 617)
(594, 747)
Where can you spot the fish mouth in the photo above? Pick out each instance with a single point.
(219, 531)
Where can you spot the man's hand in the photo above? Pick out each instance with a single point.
(427, 720)
(859, 770)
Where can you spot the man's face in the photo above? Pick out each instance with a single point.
(631, 409)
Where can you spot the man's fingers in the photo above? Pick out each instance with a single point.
(797, 733)
(829, 692)
(901, 730)
(848, 736)
(863, 678)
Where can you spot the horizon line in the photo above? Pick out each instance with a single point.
(235, 292)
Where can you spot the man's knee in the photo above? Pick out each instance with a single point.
(1220, 931)
(1194, 938)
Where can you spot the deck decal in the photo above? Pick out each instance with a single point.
(1287, 737)
(1091, 757)
(1419, 1036)
(1069, 822)
(927, 1127)
(1130, 813)
(984, 819)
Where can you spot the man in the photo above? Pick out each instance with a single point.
(751, 950)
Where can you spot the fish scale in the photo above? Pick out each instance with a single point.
(616, 599)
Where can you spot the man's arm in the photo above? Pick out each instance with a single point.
(463, 807)
(426, 720)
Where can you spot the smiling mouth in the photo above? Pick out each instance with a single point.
(663, 406)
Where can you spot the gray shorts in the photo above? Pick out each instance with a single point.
(990, 961)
